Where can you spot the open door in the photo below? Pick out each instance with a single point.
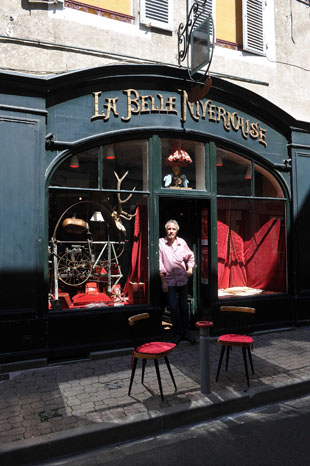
(192, 216)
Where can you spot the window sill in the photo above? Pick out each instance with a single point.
(228, 45)
(99, 11)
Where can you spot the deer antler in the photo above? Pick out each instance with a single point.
(119, 212)
(121, 201)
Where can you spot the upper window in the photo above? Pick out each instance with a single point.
(183, 164)
(157, 13)
(238, 176)
(153, 13)
(97, 168)
(120, 10)
(239, 24)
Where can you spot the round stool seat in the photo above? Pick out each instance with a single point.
(156, 347)
(235, 339)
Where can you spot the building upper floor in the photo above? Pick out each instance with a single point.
(259, 44)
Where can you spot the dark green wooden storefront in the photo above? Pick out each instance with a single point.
(44, 121)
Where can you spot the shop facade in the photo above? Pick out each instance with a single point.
(94, 164)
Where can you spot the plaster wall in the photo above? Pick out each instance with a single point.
(92, 41)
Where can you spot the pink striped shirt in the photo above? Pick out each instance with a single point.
(174, 260)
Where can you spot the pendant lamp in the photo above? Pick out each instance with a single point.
(74, 162)
(248, 173)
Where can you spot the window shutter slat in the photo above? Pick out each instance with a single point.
(253, 26)
(157, 13)
(209, 9)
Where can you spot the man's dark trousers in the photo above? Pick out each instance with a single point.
(177, 299)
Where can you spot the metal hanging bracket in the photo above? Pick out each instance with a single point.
(186, 34)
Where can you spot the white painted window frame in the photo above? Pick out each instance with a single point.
(253, 26)
(248, 9)
(154, 20)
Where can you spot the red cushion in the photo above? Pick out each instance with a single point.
(235, 338)
(155, 347)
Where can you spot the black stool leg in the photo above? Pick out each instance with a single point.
(250, 359)
(134, 365)
(220, 362)
(245, 364)
(144, 361)
(170, 372)
(227, 356)
(159, 379)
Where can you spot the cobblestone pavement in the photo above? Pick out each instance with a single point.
(41, 401)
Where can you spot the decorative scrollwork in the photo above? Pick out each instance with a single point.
(185, 30)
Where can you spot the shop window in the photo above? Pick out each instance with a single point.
(265, 183)
(120, 10)
(234, 174)
(98, 231)
(125, 157)
(251, 247)
(183, 164)
(79, 171)
(238, 176)
(238, 24)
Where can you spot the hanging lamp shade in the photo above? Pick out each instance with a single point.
(97, 217)
(110, 153)
(248, 173)
(219, 159)
(178, 156)
(74, 162)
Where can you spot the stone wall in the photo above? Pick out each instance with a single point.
(46, 38)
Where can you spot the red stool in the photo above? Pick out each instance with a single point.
(150, 350)
(242, 339)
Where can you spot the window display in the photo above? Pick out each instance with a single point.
(251, 247)
(183, 164)
(251, 233)
(99, 237)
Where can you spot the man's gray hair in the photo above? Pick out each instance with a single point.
(172, 221)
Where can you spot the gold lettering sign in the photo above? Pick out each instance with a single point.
(200, 110)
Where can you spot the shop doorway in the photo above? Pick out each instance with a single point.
(193, 218)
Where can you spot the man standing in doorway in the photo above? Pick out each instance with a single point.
(176, 263)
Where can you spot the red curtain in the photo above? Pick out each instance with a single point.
(253, 257)
(265, 258)
(139, 263)
(231, 261)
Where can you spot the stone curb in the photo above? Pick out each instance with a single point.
(81, 439)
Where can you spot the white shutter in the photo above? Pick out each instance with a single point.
(210, 8)
(157, 13)
(253, 26)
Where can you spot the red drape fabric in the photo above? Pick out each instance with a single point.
(265, 258)
(253, 257)
(139, 268)
(231, 260)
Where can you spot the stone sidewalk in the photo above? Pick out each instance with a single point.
(41, 408)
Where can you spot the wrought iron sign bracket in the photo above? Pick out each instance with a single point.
(185, 30)
(51, 144)
(285, 167)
